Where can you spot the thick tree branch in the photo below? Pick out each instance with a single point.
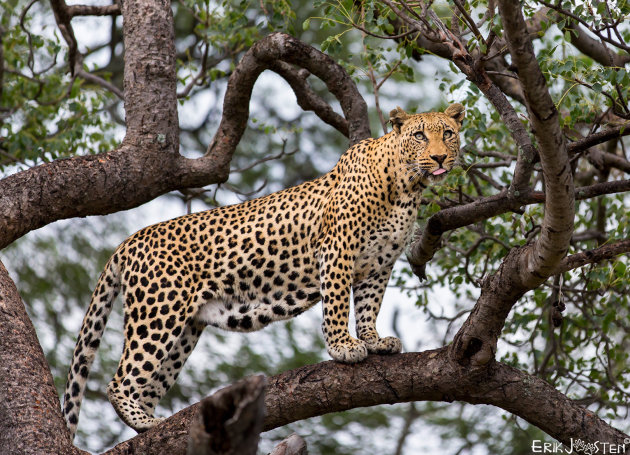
(557, 225)
(314, 390)
(329, 387)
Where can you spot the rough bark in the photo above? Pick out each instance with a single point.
(30, 413)
(146, 165)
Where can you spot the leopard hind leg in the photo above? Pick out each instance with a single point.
(164, 379)
(149, 342)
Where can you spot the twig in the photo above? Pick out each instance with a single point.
(278, 156)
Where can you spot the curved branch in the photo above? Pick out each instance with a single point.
(307, 99)
(265, 54)
(330, 386)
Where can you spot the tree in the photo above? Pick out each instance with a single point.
(546, 91)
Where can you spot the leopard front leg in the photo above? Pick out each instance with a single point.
(368, 296)
(335, 278)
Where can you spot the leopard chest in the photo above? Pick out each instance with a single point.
(384, 245)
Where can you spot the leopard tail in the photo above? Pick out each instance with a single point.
(107, 288)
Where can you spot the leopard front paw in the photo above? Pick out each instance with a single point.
(349, 350)
(387, 345)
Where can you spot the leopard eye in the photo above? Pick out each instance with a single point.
(420, 136)
(448, 134)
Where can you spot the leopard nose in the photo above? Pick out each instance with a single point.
(439, 158)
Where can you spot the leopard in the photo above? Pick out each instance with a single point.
(241, 267)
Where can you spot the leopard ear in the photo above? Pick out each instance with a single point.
(397, 117)
(457, 112)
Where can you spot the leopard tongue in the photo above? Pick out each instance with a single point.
(438, 171)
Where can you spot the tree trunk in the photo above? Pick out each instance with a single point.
(30, 412)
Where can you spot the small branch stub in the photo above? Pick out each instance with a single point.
(293, 445)
(230, 421)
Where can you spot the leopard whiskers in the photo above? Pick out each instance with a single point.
(414, 171)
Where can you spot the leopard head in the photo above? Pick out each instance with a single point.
(428, 143)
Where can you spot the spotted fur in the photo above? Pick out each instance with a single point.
(244, 266)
